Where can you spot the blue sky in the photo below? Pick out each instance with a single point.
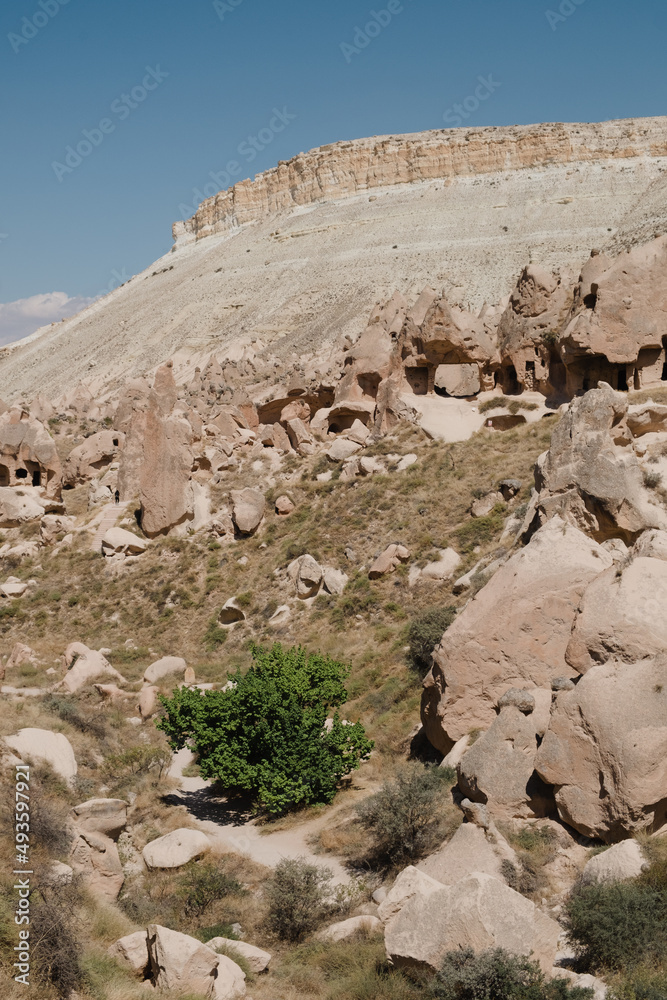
(182, 85)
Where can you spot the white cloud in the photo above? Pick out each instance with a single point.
(21, 318)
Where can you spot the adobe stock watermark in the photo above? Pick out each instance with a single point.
(363, 36)
(248, 150)
(122, 108)
(565, 10)
(31, 26)
(224, 7)
(458, 113)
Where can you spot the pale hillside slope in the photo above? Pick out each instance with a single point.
(291, 269)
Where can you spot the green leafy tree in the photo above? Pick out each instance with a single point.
(499, 975)
(266, 735)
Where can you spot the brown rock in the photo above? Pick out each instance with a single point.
(248, 510)
(479, 912)
(96, 857)
(514, 633)
(28, 455)
(621, 616)
(606, 750)
(106, 816)
(392, 557)
(95, 454)
(284, 506)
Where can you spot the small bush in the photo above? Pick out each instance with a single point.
(617, 925)
(652, 479)
(425, 632)
(480, 530)
(201, 884)
(70, 712)
(498, 975)
(55, 937)
(407, 817)
(215, 635)
(642, 983)
(137, 760)
(298, 897)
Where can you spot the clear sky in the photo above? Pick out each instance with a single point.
(170, 91)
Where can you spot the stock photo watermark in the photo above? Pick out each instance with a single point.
(363, 36)
(31, 26)
(249, 149)
(22, 862)
(565, 10)
(458, 113)
(3, 237)
(223, 7)
(122, 108)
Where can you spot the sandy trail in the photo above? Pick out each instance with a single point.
(233, 830)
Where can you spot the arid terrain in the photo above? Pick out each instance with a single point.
(399, 406)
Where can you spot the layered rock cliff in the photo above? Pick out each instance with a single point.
(345, 169)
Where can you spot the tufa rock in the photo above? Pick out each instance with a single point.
(175, 849)
(247, 510)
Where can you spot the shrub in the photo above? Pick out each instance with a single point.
(425, 632)
(135, 761)
(642, 983)
(266, 736)
(55, 938)
(480, 530)
(498, 975)
(406, 818)
(215, 635)
(652, 479)
(298, 897)
(70, 712)
(617, 925)
(201, 884)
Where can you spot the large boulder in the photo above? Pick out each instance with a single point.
(18, 505)
(175, 849)
(96, 857)
(619, 863)
(479, 912)
(606, 750)
(306, 575)
(132, 952)
(348, 928)
(471, 849)
(388, 560)
(256, 958)
(84, 665)
(42, 745)
(95, 454)
(514, 633)
(498, 769)
(107, 816)
(120, 540)
(591, 475)
(181, 963)
(410, 883)
(621, 616)
(164, 667)
(248, 508)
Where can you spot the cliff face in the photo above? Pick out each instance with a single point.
(344, 169)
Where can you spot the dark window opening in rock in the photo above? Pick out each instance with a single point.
(497, 378)
(137, 516)
(511, 381)
(586, 384)
(334, 428)
(37, 478)
(417, 380)
(4, 475)
(68, 486)
(115, 442)
(21, 473)
(35, 473)
(622, 383)
(591, 300)
(369, 385)
(537, 352)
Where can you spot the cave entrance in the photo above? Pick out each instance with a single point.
(622, 380)
(34, 472)
(417, 380)
(4, 476)
(21, 473)
(510, 381)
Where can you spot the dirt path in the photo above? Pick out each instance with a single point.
(236, 832)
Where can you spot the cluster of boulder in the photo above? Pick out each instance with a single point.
(548, 691)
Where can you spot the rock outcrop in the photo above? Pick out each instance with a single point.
(606, 750)
(41, 745)
(28, 455)
(479, 912)
(514, 633)
(175, 849)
